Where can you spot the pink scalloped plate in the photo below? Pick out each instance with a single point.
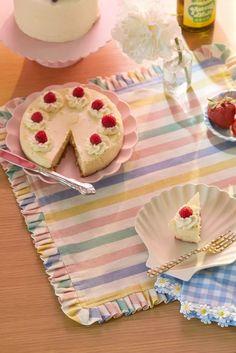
(57, 55)
(67, 164)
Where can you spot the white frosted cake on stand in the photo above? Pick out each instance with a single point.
(56, 20)
(59, 53)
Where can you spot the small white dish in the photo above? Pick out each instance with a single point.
(218, 211)
(225, 134)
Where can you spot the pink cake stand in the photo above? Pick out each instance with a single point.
(59, 55)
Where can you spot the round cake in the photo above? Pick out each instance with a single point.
(56, 20)
(78, 115)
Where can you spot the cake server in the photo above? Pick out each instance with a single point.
(83, 188)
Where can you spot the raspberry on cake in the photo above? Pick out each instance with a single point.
(186, 224)
(77, 98)
(95, 139)
(78, 92)
(49, 97)
(37, 117)
(185, 212)
(109, 126)
(51, 101)
(99, 108)
(97, 104)
(108, 121)
(94, 149)
(41, 137)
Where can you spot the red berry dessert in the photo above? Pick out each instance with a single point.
(221, 112)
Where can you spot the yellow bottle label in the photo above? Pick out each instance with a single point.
(199, 13)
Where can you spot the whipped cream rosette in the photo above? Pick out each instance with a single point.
(51, 101)
(100, 107)
(97, 144)
(35, 119)
(40, 142)
(77, 98)
(109, 125)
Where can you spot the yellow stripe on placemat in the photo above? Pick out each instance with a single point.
(196, 85)
(112, 296)
(144, 189)
(21, 192)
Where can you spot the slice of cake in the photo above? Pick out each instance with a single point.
(56, 20)
(186, 224)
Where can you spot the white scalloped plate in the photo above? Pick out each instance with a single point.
(67, 165)
(218, 212)
(225, 134)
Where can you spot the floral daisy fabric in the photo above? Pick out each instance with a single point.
(208, 296)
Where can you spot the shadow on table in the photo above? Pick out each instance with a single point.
(188, 112)
(195, 40)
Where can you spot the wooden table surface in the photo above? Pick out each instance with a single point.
(31, 320)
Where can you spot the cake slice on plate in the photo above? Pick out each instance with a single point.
(186, 224)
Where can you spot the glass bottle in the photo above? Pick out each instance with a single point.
(196, 15)
(177, 70)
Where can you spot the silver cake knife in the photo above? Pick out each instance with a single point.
(83, 188)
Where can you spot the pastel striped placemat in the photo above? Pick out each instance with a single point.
(91, 252)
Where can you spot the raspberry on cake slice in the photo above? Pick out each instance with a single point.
(186, 224)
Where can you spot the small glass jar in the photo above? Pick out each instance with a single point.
(177, 70)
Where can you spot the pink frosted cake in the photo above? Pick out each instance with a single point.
(81, 116)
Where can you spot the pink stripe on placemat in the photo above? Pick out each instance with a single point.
(91, 252)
